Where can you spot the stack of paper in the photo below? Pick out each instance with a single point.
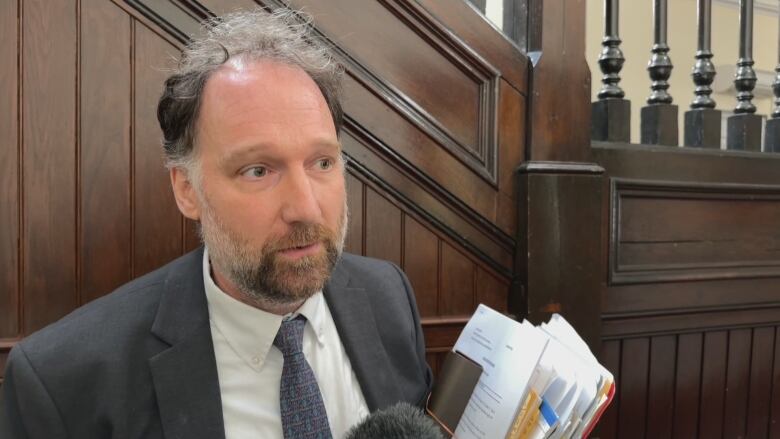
(537, 382)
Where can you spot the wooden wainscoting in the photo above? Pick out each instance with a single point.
(719, 382)
(691, 313)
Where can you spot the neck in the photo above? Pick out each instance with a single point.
(230, 288)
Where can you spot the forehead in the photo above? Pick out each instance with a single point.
(262, 101)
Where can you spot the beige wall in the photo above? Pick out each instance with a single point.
(637, 34)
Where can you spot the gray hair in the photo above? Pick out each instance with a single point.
(283, 35)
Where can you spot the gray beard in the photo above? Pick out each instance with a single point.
(261, 275)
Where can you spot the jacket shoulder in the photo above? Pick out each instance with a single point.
(365, 271)
(112, 319)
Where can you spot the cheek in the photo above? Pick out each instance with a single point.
(250, 217)
(332, 203)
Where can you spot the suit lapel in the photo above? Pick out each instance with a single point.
(185, 375)
(354, 319)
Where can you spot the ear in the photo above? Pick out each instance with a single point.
(184, 192)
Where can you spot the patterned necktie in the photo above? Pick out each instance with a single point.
(303, 412)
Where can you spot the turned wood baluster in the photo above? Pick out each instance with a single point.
(703, 70)
(702, 122)
(611, 59)
(611, 114)
(660, 65)
(659, 117)
(744, 128)
(745, 80)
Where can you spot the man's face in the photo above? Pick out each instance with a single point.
(271, 197)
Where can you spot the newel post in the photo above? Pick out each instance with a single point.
(560, 263)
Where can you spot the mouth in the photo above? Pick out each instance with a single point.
(301, 251)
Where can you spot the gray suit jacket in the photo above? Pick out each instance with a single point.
(139, 362)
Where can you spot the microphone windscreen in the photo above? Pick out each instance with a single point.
(399, 421)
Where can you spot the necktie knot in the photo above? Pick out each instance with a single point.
(289, 339)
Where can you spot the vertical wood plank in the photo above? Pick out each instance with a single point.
(49, 104)
(157, 223)
(660, 401)
(713, 383)
(687, 387)
(634, 367)
(9, 169)
(511, 135)
(492, 291)
(760, 382)
(421, 263)
(383, 228)
(774, 419)
(609, 356)
(354, 239)
(105, 229)
(457, 294)
(737, 383)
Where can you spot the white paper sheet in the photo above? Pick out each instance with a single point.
(490, 339)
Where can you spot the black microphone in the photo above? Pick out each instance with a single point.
(399, 421)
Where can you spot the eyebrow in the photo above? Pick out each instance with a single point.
(262, 148)
(239, 153)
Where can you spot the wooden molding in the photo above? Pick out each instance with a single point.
(624, 273)
(481, 253)
(6, 344)
(483, 158)
(692, 321)
(543, 167)
(178, 18)
(442, 333)
(440, 192)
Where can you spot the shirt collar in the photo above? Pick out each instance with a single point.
(251, 331)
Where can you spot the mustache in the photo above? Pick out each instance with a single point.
(301, 235)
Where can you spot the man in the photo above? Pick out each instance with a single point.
(267, 332)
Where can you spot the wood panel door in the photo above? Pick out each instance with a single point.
(435, 101)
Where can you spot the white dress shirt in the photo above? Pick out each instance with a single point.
(249, 367)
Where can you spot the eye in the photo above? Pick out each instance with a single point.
(324, 164)
(255, 172)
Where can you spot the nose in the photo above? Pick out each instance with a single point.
(299, 200)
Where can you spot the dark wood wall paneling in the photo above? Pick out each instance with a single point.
(105, 88)
(448, 281)
(158, 228)
(720, 383)
(435, 130)
(50, 161)
(10, 164)
(692, 304)
(81, 205)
